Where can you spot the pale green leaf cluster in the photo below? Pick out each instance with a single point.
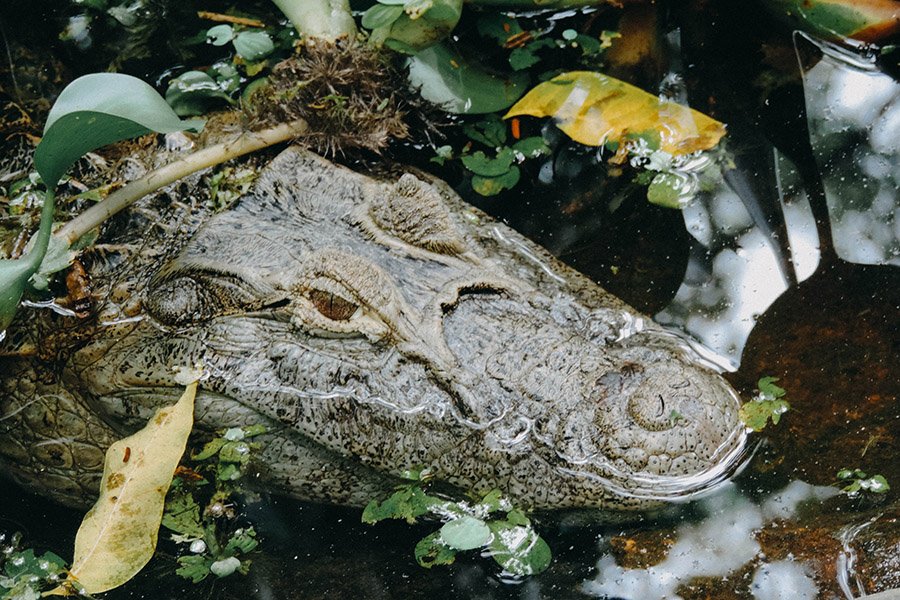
(492, 524)
(200, 508)
(24, 575)
(769, 404)
(855, 481)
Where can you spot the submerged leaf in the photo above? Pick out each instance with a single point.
(594, 109)
(118, 535)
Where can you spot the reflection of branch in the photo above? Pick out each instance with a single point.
(322, 19)
(247, 142)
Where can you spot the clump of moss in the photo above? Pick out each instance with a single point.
(347, 92)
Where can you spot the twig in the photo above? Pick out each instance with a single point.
(220, 18)
(245, 143)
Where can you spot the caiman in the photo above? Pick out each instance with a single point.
(374, 325)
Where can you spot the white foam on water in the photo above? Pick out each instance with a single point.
(715, 547)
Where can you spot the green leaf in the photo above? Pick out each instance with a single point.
(878, 484)
(522, 58)
(182, 515)
(664, 190)
(420, 24)
(490, 131)
(519, 550)
(768, 389)
(465, 533)
(480, 164)
(491, 186)
(243, 541)
(380, 15)
(532, 147)
(498, 26)
(235, 452)
(14, 276)
(448, 80)
(253, 45)
(210, 449)
(756, 413)
(96, 110)
(430, 551)
(493, 500)
(194, 567)
(408, 503)
(517, 517)
(219, 35)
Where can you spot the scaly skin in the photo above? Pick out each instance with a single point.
(379, 326)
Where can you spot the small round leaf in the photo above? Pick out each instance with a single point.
(465, 533)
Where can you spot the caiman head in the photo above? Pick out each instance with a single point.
(381, 326)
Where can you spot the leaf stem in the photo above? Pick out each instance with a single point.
(322, 19)
(42, 241)
(249, 141)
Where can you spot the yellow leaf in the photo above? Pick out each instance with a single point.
(592, 109)
(118, 535)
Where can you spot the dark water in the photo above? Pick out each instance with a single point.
(832, 340)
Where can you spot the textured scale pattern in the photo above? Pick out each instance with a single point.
(379, 326)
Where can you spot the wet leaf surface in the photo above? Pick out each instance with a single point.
(594, 109)
(118, 535)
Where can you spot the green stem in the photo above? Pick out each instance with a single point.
(42, 241)
(322, 19)
(249, 141)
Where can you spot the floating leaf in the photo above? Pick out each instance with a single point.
(594, 109)
(118, 535)
(465, 533)
(768, 404)
(480, 164)
(448, 80)
(665, 191)
(519, 550)
(491, 186)
(219, 35)
(430, 551)
(768, 389)
(409, 503)
(194, 93)
(865, 20)
(253, 45)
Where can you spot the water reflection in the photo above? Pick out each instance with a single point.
(853, 111)
(735, 268)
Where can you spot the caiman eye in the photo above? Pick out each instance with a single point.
(332, 306)
(340, 294)
(179, 300)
